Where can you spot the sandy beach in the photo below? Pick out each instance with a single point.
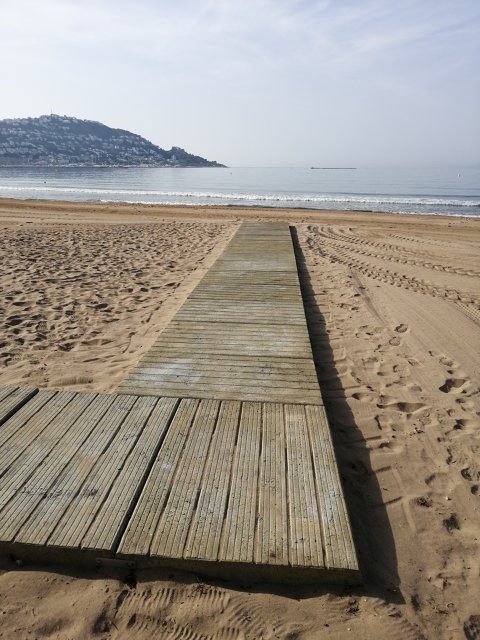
(393, 309)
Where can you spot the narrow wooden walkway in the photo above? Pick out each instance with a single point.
(227, 488)
(215, 456)
(241, 334)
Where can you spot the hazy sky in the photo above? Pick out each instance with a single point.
(256, 82)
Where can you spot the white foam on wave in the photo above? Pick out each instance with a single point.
(412, 212)
(201, 196)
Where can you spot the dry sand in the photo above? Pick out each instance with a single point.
(393, 311)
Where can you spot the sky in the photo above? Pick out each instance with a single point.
(257, 82)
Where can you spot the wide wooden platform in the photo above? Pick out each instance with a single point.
(241, 334)
(224, 487)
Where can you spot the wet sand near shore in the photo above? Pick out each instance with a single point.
(392, 303)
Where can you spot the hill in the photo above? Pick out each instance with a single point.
(54, 140)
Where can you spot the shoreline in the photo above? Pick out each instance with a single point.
(221, 211)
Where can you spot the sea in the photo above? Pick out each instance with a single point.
(429, 191)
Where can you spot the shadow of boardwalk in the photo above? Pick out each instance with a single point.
(371, 528)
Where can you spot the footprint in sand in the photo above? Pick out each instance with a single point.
(451, 524)
(13, 321)
(401, 328)
(363, 397)
(447, 362)
(465, 405)
(471, 628)
(464, 424)
(403, 407)
(452, 384)
(423, 501)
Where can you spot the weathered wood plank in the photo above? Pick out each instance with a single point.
(12, 399)
(206, 530)
(272, 529)
(231, 381)
(241, 365)
(224, 359)
(238, 538)
(227, 328)
(337, 534)
(246, 348)
(305, 539)
(245, 393)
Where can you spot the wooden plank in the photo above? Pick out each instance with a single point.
(242, 365)
(184, 372)
(272, 529)
(257, 265)
(12, 399)
(231, 339)
(237, 346)
(226, 385)
(252, 278)
(234, 380)
(224, 285)
(245, 293)
(247, 305)
(242, 351)
(206, 530)
(272, 361)
(238, 536)
(338, 539)
(242, 313)
(229, 327)
(248, 318)
(305, 538)
(236, 332)
(245, 393)
(285, 348)
(233, 306)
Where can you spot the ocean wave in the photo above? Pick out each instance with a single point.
(406, 212)
(308, 198)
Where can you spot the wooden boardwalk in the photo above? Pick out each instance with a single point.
(241, 334)
(223, 487)
(215, 456)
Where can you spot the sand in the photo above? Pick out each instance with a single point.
(393, 310)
